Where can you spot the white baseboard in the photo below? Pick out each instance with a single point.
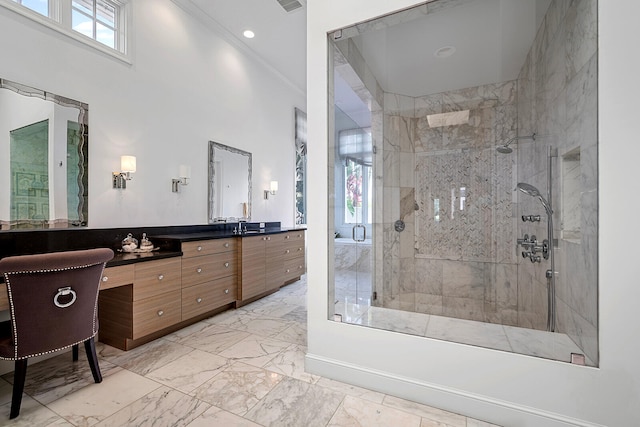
(484, 408)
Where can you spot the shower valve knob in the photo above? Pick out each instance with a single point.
(535, 258)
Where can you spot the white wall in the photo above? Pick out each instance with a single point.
(507, 389)
(186, 86)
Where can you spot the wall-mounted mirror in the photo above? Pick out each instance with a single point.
(43, 159)
(229, 183)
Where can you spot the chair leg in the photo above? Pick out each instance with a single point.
(19, 376)
(74, 351)
(90, 347)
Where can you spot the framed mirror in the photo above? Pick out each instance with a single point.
(43, 159)
(229, 183)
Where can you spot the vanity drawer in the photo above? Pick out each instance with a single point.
(155, 313)
(117, 276)
(153, 278)
(294, 268)
(294, 236)
(293, 250)
(208, 296)
(206, 268)
(208, 247)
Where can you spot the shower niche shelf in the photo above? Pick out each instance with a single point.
(571, 206)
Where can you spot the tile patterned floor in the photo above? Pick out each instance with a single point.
(243, 367)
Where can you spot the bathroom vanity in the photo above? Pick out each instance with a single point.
(197, 272)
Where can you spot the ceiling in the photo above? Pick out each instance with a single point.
(491, 40)
(280, 36)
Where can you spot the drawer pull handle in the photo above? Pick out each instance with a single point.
(300, 267)
(226, 291)
(198, 300)
(268, 238)
(226, 264)
(160, 277)
(288, 271)
(299, 235)
(160, 313)
(299, 249)
(226, 245)
(287, 251)
(199, 248)
(264, 238)
(286, 237)
(105, 279)
(198, 270)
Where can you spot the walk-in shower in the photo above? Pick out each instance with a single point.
(427, 235)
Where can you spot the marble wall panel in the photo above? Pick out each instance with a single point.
(427, 139)
(429, 304)
(429, 276)
(581, 28)
(463, 280)
(582, 106)
(463, 308)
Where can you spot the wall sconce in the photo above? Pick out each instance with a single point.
(185, 175)
(272, 190)
(127, 167)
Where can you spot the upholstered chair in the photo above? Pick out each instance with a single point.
(53, 301)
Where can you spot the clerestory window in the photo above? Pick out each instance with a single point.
(103, 21)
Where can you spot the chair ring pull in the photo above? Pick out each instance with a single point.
(64, 292)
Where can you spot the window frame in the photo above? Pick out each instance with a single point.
(59, 20)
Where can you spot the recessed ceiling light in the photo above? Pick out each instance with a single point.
(444, 52)
(249, 34)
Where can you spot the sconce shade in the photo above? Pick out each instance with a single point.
(185, 171)
(274, 187)
(128, 164)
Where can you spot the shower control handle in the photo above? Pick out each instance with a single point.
(531, 218)
(535, 258)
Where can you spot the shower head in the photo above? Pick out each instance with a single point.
(505, 149)
(534, 192)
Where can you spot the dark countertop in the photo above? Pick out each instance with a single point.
(124, 258)
(208, 235)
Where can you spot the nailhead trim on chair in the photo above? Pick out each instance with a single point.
(15, 336)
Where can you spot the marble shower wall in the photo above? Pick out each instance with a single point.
(557, 99)
(451, 261)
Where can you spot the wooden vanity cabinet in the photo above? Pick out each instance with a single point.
(149, 304)
(260, 265)
(209, 275)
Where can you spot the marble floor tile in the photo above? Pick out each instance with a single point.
(190, 371)
(212, 338)
(296, 403)
(218, 417)
(59, 376)
(542, 343)
(94, 403)
(396, 320)
(255, 350)
(290, 362)
(468, 332)
(294, 334)
(32, 414)
(351, 390)
(238, 388)
(264, 326)
(358, 412)
(150, 356)
(163, 407)
(427, 412)
(243, 367)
